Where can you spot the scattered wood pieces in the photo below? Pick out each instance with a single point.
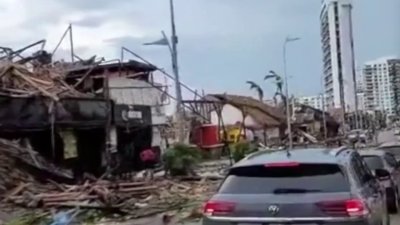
(137, 199)
(20, 185)
(19, 80)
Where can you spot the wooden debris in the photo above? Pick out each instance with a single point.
(138, 198)
(19, 80)
(135, 198)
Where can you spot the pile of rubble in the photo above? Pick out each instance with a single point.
(138, 199)
(24, 181)
(17, 80)
(18, 164)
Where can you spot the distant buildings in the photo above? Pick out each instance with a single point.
(381, 85)
(361, 101)
(338, 54)
(313, 101)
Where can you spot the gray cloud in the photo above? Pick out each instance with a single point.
(90, 21)
(93, 4)
(82, 52)
(224, 42)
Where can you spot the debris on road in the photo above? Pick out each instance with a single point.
(138, 199)
(25, 182)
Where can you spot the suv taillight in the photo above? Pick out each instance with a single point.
(350, 207)
(218, 208)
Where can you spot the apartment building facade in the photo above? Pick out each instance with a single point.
(338, 54)
(381, 85)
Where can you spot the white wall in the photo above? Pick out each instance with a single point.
(231, 115)
(137, 92)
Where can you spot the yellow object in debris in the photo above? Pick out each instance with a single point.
(232, 135)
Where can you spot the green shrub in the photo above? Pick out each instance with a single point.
(241, 149)
(181, 159)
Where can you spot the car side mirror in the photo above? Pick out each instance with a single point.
(382, 174)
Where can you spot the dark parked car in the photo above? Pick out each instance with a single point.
(310, 186)
(379, 159)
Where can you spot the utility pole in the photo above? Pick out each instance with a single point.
(288, 118)
(175, 68)
(324, 117)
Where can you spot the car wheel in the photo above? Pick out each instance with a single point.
(392, 200)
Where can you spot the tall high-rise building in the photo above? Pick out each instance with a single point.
(394, 73)
(338, 54)
(381, 85)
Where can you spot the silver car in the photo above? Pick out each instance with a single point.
(309, 186)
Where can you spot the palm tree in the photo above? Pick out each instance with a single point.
(279, 85)
(258, 89)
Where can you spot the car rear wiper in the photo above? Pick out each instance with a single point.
(293, 190)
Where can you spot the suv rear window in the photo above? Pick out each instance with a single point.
(373, 162)
(302, 178)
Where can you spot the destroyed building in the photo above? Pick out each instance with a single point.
(256, 119)
(311, 121)
(77, 114)
(138, 105)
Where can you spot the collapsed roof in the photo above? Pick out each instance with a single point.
(265, 114)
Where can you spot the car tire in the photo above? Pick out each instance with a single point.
(392, 200)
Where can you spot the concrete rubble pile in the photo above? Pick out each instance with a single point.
(29, 181)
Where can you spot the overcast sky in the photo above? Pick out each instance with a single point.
(222, 43)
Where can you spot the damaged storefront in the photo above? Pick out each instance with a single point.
(44, 128)
(137, 107)
(81, 115)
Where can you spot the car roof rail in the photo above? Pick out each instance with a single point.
(339, 150)
(257, 153)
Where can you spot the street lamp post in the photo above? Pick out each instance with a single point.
(289, 125)
(172, 46)
(174, 55)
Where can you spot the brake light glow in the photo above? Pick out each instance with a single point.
(356, 207)
(282, 164)
(218, 208)
(350, 207)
